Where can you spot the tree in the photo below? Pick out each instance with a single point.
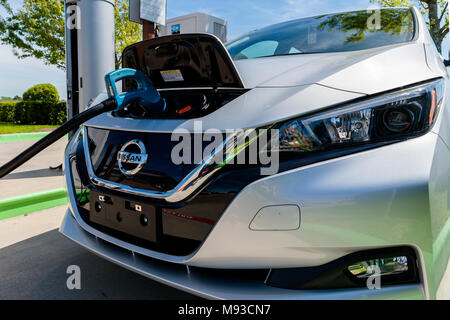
(5, 5)
(37, 30)
(126, 32)
(356, 24)
(434, 11)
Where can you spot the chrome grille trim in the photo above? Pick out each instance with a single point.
(195, 180)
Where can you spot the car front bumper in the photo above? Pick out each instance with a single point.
(180, 277)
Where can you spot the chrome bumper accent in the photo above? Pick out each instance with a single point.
(210, 287)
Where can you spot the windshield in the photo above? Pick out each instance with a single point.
(347, 31)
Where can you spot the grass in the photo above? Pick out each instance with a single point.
(6, 128)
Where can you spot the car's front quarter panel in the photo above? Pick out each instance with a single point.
(366, 200)
(439, 184)
(439, 193)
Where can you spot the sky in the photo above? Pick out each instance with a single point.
(16, 76)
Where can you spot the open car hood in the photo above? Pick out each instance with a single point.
(184, 61)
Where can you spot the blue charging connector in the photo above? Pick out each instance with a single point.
(146, 94)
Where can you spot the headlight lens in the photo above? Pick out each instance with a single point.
(392, 116)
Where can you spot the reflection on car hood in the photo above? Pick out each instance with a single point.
(366, 71)
(291, 86)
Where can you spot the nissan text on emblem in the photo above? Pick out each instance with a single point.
(132, 157)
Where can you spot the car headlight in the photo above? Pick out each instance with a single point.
(388, 117)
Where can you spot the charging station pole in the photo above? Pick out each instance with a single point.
(72, 19)
(89, 50)
(90, 44)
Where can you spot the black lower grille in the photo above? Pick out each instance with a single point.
(232, 274)
(165, 244)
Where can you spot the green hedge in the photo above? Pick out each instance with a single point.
(42, 92)
(33, 112)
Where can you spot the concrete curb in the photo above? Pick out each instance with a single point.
(32, 202)
(13, 137)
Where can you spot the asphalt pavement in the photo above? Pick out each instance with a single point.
(35, 175)
(34, 258)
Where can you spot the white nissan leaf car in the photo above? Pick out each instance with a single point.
(333, 135)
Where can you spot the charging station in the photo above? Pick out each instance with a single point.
(89, 50)
(90, 41)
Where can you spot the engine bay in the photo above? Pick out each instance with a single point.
(183, 104)
(193, 73)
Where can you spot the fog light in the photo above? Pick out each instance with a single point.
(381, 267)
(363, 269)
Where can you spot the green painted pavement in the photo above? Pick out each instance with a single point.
(13, 137)
(32, 202)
